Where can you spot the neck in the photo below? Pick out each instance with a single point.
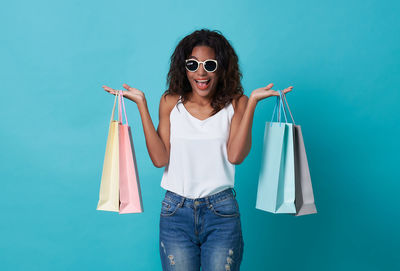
(201, 100)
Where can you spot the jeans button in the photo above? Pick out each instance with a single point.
(196, 203)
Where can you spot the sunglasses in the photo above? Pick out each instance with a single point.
(210, 65)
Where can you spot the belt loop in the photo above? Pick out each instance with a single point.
(208, 202)
(182, 202)
(234, 192)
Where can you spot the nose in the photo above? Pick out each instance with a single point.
(201, 69)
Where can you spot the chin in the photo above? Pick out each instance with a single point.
(203, 93)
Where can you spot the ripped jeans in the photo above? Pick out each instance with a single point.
(202, 232)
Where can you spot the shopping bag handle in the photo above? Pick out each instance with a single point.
(112, 113)
(121, 101)
(285, 100)
(282, 105)
(273, 113)
(119, 96)
(279, 105)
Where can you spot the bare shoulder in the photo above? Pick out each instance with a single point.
(239, 102)
(167, 102)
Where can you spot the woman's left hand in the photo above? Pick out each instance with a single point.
(265, 92)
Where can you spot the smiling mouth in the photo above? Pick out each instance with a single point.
(202, 84)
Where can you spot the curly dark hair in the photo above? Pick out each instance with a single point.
(229, 75)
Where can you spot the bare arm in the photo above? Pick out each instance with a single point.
(239, 143)
(155, 143)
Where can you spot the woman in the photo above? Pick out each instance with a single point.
(204, 130)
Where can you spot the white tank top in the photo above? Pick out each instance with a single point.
(198, 164)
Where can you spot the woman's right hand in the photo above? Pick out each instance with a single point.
(131, 93)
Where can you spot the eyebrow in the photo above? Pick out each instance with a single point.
(197, 58)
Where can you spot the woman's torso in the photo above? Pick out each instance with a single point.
(198, 164)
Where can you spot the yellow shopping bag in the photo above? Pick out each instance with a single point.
(109, 186)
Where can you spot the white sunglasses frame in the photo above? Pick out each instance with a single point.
(202, 62)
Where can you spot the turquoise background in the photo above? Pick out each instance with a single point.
(342, 57)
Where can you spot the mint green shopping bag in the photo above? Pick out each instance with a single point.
(276, 184)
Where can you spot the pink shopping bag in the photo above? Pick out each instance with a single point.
(129, 185)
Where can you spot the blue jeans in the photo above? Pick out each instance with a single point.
(202, 232)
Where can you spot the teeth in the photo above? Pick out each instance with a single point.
(202, 81)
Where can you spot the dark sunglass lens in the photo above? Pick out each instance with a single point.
(191, 65)
(210, 65)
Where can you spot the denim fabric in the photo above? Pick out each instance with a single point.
(202, 232)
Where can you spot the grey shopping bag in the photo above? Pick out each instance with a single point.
(304, 193)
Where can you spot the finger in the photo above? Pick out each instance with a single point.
(113, 92)
(126, 86)
(269, 86)
(110, 90)
(287, 90)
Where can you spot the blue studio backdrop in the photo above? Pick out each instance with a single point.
(342, 57)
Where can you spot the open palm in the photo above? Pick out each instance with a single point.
(262, 93)
(131, 93)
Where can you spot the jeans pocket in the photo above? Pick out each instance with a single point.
(168, 207)
(226, 208)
